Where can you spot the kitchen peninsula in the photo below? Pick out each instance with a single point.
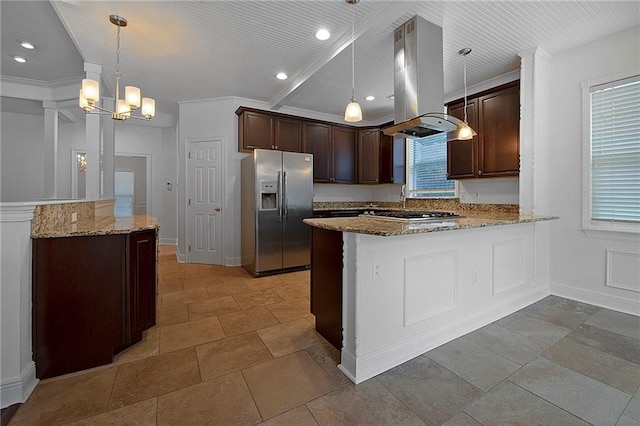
(94, 284)
(386, 291)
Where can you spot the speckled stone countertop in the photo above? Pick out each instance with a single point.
(386, 228)
(104, 226)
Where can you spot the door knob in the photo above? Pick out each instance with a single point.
(217, 209)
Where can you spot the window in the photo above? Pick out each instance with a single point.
(612, 155)
(124, 193)
(427, 167)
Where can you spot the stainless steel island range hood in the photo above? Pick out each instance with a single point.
(419, 83)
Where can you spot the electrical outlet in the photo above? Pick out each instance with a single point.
(74, 217)
(377, 271)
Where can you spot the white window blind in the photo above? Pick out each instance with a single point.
(615, 151)
(428, 167)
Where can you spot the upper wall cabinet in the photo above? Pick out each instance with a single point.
(334, 151)
(494, 152)
(263, 130)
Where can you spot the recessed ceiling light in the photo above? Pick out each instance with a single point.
(20, 59)
(369, 98)
(323, 34)
(26, 44)
(281, 76)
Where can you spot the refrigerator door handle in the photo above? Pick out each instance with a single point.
(279, 197)
(285, 202)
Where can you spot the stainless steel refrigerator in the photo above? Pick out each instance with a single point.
(277, 194)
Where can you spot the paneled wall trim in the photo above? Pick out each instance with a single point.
(623, 270)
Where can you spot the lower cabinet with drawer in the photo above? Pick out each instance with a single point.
(93, 296)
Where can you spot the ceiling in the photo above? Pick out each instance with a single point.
(186, 50)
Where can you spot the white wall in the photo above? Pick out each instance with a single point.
(22, 162)
(22, 157)
(577, 262)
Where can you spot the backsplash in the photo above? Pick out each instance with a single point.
(446, 204)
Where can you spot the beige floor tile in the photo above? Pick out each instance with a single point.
(192, 333)
(222, 401)
(179, 274)
(257, 298)
(168, 315)
(147, 378)
(231, 354)
(229, 288)
(264, 283)
(140, 414)
(67, 399)
(149, 346)
(293, 291)
(197, 282)
(291, 276)
(248, 320)
(297, 417)
(290, 310)
(212, 307)
(184, 297)
(289, 337)
(169, 286)
(284, 383)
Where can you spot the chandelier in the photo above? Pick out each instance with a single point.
(90, 91)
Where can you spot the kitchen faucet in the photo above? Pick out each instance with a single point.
(403, 198)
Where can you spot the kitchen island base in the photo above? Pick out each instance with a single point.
(405, 295)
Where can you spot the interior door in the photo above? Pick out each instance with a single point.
(204, 204)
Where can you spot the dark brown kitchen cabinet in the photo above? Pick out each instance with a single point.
(255, 130)
(333, 149)
(316, 140)
(93, 296)
(494, 152)
(343, 154)
(287, 134)
(369, 156)
(264, 130)
(142, 282)
(326, 284)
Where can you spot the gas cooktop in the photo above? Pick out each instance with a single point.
(411, 215)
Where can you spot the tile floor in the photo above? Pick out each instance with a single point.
(232, 350)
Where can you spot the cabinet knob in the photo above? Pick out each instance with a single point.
(479, 172)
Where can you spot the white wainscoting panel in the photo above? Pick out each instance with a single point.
(508, 265)
(430, 285)
(623, 270)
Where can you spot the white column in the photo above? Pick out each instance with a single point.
(17, 369)
(50, 149)
(108, 157)
(92, 139)
(535, 153)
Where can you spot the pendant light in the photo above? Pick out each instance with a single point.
(90, 91)
(353, 113)
(466, 132)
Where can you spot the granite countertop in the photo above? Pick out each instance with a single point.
(106, 226)
(386, 228)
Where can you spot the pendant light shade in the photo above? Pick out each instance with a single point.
(466, 132)
(353, 112)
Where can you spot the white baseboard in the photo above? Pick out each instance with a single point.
(18, 389)
(628, 306)
(168, 241)
(233, 261)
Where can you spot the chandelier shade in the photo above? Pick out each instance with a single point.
(89, 96)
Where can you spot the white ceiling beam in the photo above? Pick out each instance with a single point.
(378, 18)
